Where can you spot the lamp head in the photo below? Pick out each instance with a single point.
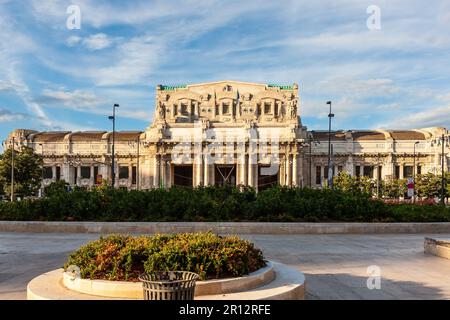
(329, 102)
(116, 105)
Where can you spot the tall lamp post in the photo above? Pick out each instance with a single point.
(12, 169)
(442, 168)
(330, 170)
(42, 170)
(113, 118)
(414, 172)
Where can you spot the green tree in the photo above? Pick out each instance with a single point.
(2, 191)
(56, 187)
(394, 188)
(345, 182)
(27, 172)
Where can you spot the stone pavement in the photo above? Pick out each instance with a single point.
(335, 266)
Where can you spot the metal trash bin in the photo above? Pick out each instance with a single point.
(169, 285)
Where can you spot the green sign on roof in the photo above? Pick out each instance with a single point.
(282, 87)
(182, 86)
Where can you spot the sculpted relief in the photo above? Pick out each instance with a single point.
(226, 104)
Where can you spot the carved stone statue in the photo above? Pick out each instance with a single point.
(293, 105)
(161, 111)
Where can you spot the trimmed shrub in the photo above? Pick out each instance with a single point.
(123, 257)
(216, 204)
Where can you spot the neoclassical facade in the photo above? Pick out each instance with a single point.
(231, 132)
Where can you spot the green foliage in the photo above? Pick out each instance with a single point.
(121, 257)
(27, 172)
(430, 185)
(55, 188)
(348, 183)
(394, 188)
(212, 204)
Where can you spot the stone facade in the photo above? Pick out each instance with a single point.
(230, 132)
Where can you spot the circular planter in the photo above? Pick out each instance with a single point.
(133, 290)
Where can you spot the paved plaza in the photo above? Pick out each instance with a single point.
(335, 266)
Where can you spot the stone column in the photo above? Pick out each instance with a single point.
(169, 174)
(156, 171)
(350, 166)
(244, 174)
(54, 173)
(92, 179)
(163, 172)
(282, 178)
(130, 176)
(78, 182)
(322, 175)
(251, 168)
(294, 170)
(206, 173)
(197, 170)
(288, 170)
(65, 173)
(402, 171)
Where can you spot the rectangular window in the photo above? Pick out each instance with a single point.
(133, 175)
(318, 175)
(175, 110)
(407, 171)
(380, 170)
(48, 173)
(368, 171)
(58, 173)
(340, 168)
(123, 173)
(225, 108)
(419, 169)
(267, 108)
(357, 171)
(75, 175)
(397, 172)
(96, 174)
(325, 172)
(184, 109)
(85, 172)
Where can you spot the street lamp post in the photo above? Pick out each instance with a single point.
(330, 170)
(414, 172)
(42, 170)
(442, 168)
(137, 164)
(113, 118)
(12, 169)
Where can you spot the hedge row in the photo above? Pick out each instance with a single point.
(216, 204)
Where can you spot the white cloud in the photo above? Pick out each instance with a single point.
(76, 99)
(9, 116)
(97, 41)
(428, 118)
(90, 102)
(73, 40)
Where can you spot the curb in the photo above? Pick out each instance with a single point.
(224, 227)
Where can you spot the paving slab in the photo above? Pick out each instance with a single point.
(335, 266)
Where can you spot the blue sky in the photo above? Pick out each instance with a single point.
(53, 78)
